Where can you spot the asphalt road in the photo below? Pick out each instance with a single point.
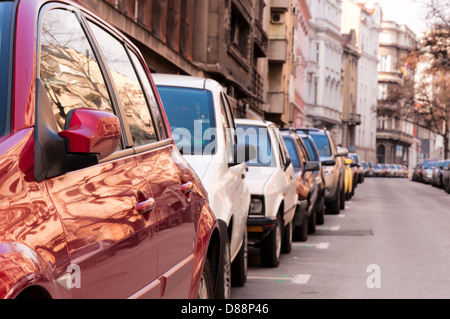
(392, 241)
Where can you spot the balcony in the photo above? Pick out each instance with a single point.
(278, 50)
(353, 119)
(324, 114)
(276, 102)
(282, 5)
(261, 40)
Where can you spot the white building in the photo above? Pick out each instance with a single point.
(365, 20)
(324, 70)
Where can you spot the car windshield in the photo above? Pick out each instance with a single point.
(322, 144)
(191, 118)
(258, 136)
(292, 150)
(5, 20)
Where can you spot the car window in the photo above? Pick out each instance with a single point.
(293, 153)
(151, 98)
(311, 149)
(130, 90)
(228, 126)
(5, 20)
(322, 144)
(68, 67)
(260, 138)
(191, 118)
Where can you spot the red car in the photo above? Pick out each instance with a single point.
(95, 199)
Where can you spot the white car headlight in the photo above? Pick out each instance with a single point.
(257, 205)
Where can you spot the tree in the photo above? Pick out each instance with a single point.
(429, 105)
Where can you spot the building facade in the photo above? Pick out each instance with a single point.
(365, 20)
(324, 70)
(396, 142)
(223, 40)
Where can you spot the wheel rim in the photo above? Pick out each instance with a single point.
(203, 288)
(278, 240)
(227, 272)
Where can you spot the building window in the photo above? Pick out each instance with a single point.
(239, 32)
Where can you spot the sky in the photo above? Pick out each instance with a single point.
(409, 12)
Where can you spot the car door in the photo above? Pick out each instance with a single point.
(290, 193)
(233, 177)
(112, 239)
(169, 177)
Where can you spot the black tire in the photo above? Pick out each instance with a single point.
(335, 206)
(312, 222)
(206, 287)
(224, 276)
(342, 199)
(300, 233)
(271, 247)
(239, 267)
(286, 245)
(320, 215)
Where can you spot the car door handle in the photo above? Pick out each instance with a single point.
(146, 206)
(187, 188)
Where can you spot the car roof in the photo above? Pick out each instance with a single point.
(187, 81)
(253, 122)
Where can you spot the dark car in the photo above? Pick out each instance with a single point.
(416, 173)
(307, 189)
(332, 161)
(437, 174)
(95, 201)
(446, 176)
(314, 155)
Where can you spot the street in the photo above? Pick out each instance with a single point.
(391, 241)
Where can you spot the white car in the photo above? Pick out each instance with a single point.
(203, 127)
(272, 184)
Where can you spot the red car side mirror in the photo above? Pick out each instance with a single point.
(91, 131)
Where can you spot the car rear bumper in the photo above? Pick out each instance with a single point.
(259, 227)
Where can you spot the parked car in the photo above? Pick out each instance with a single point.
(394, 170)
(423, 170)
(416, 173)
(359, 166)
(272, 184)
(320, 178)
(96, 200)
(367, 169)
(428, 170)
(385, 170)
(437, 175)
(332, 160)
(377, 170)
(304, 221)
(348, 178)
(202, 121)
(446, 176)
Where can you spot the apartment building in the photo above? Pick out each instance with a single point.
(324, 67)
(365, 20)
(223, 40)
(396, 142)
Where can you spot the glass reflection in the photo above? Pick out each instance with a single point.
(68, 68)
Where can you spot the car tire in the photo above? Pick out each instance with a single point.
(206, 287)
(271, 247)
(300, 233)
(239, 266)
(224, 276)
(312, 222)
(320, 215)
(286, 245)
(342, 199)
(335, 206)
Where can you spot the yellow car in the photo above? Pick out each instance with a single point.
(348, 179)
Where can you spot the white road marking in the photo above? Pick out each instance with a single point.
(301, 279)
(313, 245)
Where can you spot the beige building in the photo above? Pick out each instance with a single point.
(395, 136)
(350, 117)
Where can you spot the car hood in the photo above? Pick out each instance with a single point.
(199, 163)
(257, 177)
